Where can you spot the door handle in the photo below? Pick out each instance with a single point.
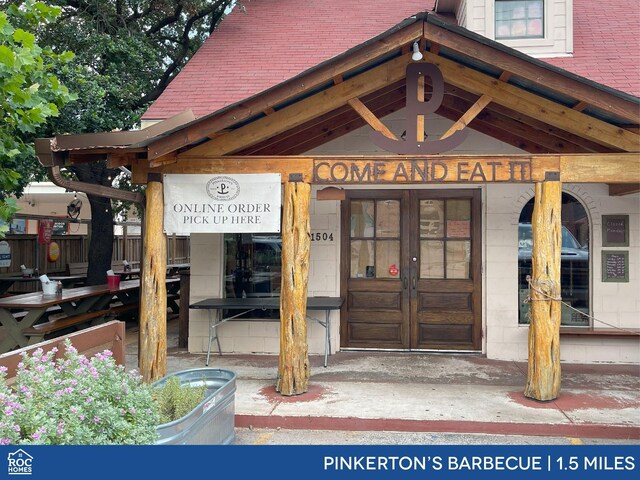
(413, 282)
(405, 283)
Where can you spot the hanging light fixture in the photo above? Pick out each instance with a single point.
(417, 54)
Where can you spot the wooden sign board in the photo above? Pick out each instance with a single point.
(615, 266)
(433, 170)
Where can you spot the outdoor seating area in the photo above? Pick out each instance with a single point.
(32, 317)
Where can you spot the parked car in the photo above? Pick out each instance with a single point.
(574, 272)
(571, 248)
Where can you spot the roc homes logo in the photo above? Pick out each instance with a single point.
(19, 463)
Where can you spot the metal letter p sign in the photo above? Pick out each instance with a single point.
(415, 108)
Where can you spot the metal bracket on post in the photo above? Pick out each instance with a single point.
(155, 177)
(296, 177)
(552, 176)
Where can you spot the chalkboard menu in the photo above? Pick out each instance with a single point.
(615, 230)
(615, 266)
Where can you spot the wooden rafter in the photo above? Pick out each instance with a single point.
(524, 69)
(284, 92)
(520, 132)
(502, 130)
(535, 106)
(558, 139)
(469, 115)
(304, 110)
(369, 117)
(330, 126)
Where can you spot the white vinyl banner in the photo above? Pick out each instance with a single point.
(222, 203)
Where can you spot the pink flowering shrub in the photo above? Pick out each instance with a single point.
(76, 401)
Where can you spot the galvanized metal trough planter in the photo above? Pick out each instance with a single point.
(212, 421)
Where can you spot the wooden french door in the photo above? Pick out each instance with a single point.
(411, 270)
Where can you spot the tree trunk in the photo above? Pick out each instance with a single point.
(101, 238)
(543, 376)
(293, 365)
(152, 359)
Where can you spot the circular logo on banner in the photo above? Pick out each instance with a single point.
(223, 188)
(54, 252)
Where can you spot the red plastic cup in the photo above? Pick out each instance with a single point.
(113, 282)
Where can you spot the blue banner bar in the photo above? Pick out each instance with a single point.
(477, 462)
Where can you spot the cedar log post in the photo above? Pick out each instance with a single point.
(543, 375)
(293, 363)
(152, 359)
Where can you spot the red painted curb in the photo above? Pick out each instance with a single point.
(618, 432)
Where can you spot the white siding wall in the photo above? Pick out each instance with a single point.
(461, 14)
(478, 16)
(617, 304)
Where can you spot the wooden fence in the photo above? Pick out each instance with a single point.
(75, 249)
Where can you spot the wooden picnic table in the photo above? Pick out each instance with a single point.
(78, 305)
(6, 281)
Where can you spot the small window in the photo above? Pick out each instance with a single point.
(253, 266)
(519, 19)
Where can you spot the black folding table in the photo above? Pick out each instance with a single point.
(245, 305)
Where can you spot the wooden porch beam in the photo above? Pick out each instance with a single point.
(523, 68)
(620, 168)
(221, 165)
(535, 106)
(609, 168)
(369, 117)
(303, 111)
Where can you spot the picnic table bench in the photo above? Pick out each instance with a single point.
(27, 318)
(46, 314)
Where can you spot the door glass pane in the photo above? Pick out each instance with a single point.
(362, 218)
(458, 218)
(458, 256)
(431, 259)
(431, 218)
(387, 259)
(388, 218)
(362, 260)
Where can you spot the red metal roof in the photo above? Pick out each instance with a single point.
(273, 40)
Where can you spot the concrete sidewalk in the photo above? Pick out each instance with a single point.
(420, 392)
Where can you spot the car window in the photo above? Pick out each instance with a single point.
(525, 237)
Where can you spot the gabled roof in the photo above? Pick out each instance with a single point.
(498, 91)
(269, 42)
